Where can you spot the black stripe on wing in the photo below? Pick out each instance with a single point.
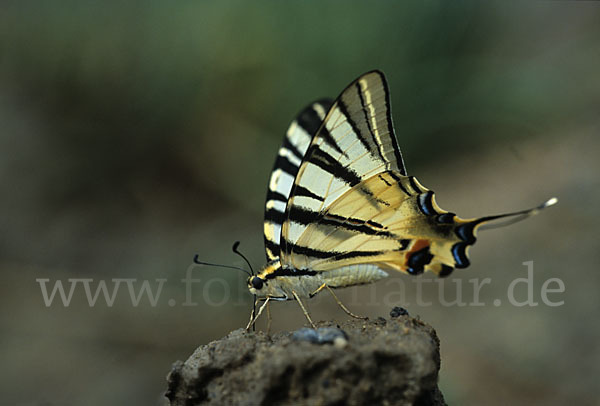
(390, 125)
(344, 110)
(289, 272)
(368, 121)
(329, 164)
(283, 163)
(315, 253)
(274, 216)
(365, 103)
(302, 191)
(305, 216)
(309, 118)
(287, 144)
(272, 195)
(271, 247)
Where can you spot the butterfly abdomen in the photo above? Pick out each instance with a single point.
(281, 283)
(353, 275)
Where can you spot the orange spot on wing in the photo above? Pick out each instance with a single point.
(418, 245)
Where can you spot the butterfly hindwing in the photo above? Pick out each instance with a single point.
(397, 226)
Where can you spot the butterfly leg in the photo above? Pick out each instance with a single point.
(251, 317)
(344, 308)
(253, 320)
(269, 319)
(323, 286)
(304, 310)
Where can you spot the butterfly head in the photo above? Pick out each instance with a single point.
(267, 284)
(255, 283)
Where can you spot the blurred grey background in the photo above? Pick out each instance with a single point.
(135, 135)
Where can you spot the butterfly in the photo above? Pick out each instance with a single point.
(341, 209)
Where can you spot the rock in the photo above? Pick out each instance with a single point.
(390, 362)
(398, 311)
(322, 335)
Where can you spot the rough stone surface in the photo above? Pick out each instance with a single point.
(385, 362)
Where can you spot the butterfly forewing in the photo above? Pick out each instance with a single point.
(355, 142)
(290, 156)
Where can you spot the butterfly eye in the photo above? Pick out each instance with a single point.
(257, 283)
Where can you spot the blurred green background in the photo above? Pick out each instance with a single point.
(134, 135)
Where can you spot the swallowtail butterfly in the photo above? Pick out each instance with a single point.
(341, 209)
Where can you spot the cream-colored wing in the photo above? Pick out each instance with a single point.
(289, 157)
(355, 142)
(396, 225)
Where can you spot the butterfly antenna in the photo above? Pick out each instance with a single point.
(516, 216)
(235, 249)
(197, 261)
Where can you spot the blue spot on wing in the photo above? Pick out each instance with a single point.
(459, 252)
